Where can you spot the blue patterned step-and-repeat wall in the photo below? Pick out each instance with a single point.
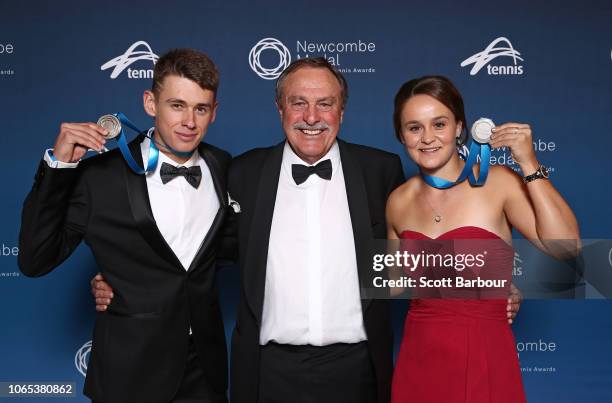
(548, 64)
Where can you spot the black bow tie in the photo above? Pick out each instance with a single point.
(302, 172)
(193, 175)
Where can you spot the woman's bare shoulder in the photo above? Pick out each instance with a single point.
(404, 192)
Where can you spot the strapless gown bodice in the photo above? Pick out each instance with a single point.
(460, 350)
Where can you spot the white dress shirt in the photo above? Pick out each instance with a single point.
(312, 293)
(182, 213)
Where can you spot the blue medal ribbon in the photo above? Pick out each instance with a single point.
(476, 149)
(153, 154)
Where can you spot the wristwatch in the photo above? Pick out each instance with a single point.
(541, 173)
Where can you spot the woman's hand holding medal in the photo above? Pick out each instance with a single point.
(517, 137)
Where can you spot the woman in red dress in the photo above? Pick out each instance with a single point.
(461, 349)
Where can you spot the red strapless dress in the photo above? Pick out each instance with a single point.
(459, 350)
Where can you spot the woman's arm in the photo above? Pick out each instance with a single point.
(536, 209)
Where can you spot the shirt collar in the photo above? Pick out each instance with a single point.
(144, 146)
(290, 157)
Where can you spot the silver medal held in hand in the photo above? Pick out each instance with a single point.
(482, 130)
(110, 123)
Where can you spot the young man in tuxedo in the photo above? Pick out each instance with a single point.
(153, 236)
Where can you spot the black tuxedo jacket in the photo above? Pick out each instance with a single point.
(370, 175)
(140, 343)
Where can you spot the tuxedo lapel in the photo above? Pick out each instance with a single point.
(140, 204)
(219, 186)
(259, 235)
(360, 214)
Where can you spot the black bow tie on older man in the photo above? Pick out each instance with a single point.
(193, 175)
(301, 172)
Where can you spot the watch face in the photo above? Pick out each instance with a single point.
(544, 171)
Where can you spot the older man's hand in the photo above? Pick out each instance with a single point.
(102, 292)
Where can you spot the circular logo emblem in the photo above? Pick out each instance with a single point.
(271, 44)
(610, 257)
(82, 358)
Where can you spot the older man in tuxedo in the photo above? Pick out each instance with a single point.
(309, 206)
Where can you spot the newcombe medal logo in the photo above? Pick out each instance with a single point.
(273, 45)
(492, 52)
(81, 358)
(131, 56)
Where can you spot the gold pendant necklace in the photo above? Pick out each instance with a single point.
(437, 217)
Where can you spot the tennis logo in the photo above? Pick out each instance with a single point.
(492, 52)
(270, 45)
(81, 358)
(131, 56)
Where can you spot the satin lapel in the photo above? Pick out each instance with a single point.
(254, 266)
(218, 179)
(360, 215)
(138, 196)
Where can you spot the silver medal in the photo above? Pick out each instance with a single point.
(482, 130)
(110, 123)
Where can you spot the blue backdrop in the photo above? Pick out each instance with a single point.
(555, 74)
